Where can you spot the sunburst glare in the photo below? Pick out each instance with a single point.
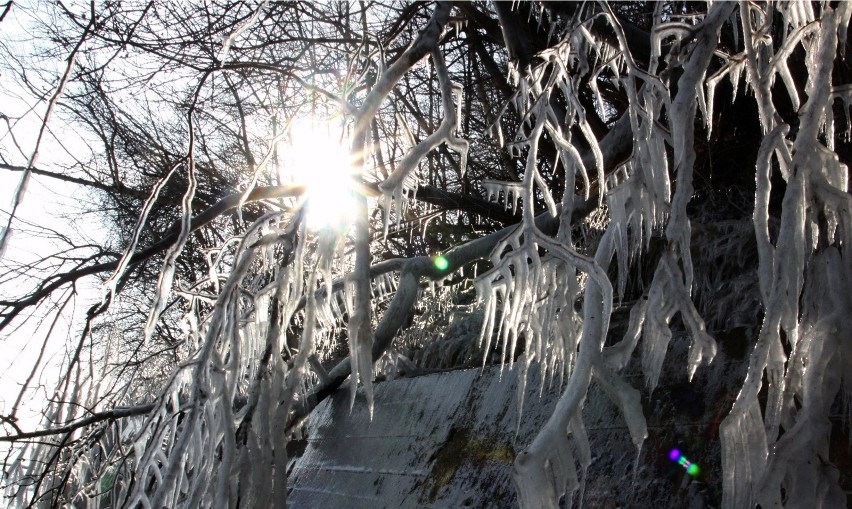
(318, 158)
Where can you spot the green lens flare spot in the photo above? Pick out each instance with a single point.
(441, 263)
(693, 470)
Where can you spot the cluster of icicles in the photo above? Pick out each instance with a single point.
(529, 296)
(803, 276)
(190, 451)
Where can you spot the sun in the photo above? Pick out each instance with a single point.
(318, 158)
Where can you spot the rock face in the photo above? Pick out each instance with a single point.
(448, 440)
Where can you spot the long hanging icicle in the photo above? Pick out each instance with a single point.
(796, 270)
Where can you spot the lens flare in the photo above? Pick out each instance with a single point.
(691, 468)
(441, 262)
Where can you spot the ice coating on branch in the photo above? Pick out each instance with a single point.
(5, 234)
(629, 403)
(199, 445)
(803, 266)
(618, 355)
(640, 203)
(402, 180)
(520, 279)
(229, 40)
(733, 70)
(814, 376)
(166, 277)
(361, 357)
(546, 469)
(112, 282)
(665, 298)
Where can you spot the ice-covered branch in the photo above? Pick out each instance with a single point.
(210, 381)
(399, 182)
(798, 281)
(545, 470)
(107, 415)
(360, 333)
(682, 120)
(411, 272)
(425, 43)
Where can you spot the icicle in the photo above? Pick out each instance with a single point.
(741, 469)
(510, 191)
(521, 389)
(617, 200)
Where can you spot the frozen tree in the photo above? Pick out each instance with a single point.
(540, 154)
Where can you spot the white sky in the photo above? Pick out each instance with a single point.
(45, 201)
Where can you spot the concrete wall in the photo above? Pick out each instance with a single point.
(448, 440)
